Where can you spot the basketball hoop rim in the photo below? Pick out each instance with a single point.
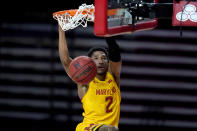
(72, 12)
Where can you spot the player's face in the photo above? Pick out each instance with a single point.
(101, 61)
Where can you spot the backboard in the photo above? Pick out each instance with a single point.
(115, 17)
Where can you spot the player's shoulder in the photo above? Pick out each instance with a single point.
(82, 90)
(114, 78)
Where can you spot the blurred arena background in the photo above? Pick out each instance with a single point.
(158, 79)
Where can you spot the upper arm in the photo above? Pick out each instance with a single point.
(66, 64)
(82, 90)
(115, 69)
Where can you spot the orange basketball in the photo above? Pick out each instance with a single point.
(82, 70)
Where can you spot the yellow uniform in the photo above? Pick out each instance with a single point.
(101, 104)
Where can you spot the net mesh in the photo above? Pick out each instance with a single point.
(67, 20)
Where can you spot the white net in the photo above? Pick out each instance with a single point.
(84, 14)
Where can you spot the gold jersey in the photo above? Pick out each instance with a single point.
(101, 103)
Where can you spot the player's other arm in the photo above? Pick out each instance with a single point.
(63, 50)
(115, 61)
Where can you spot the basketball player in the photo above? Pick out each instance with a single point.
(101, 97)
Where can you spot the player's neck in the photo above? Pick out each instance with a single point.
(101, 77)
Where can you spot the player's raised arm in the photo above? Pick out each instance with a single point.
(115, 61)
(63, 50)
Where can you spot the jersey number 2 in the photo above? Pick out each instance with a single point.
(109, 99)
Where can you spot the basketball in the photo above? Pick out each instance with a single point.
(82, 70)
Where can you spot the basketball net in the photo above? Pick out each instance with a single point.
(70, 19)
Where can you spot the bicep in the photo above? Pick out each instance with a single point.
(66, 64)
(115, 69)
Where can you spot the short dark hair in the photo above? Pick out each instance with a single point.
(98, 48)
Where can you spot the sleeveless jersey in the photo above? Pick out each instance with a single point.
(101, 102)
